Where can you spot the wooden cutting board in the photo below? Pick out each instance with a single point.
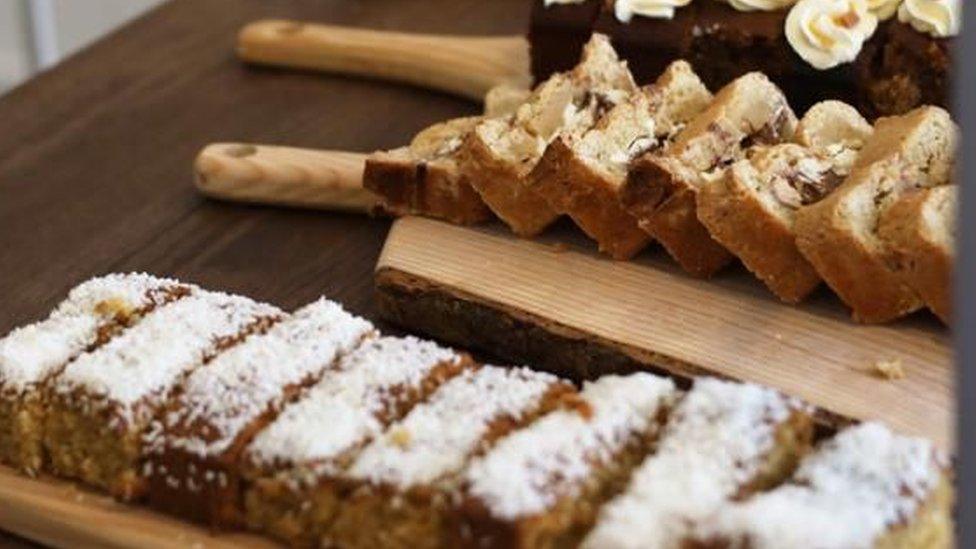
(557, 304)
(61, 514)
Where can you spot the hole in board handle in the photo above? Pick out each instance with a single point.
(290, 27)
(240, 151)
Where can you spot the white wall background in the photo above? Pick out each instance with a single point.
(72, 24)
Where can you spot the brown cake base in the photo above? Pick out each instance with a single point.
(902, 68)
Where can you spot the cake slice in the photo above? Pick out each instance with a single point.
(865, 488)
(723, 441)
(661, 186)
(293, 467)
(839, 235)
(103, 401)
(92, 314)
(581, 175)
(401, 485)
(751, 209)
(195, 443)
(541, 486)
(919, 232)
(424, 179)
(500, 153)
(504, 100)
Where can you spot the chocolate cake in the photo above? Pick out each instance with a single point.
(903, 62)
(903, 69)
(557, 33)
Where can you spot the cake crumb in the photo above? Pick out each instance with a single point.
(559, 247)
(889, 369)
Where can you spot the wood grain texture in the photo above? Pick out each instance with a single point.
(88, 519)
(467, 66)
(649, 311)
(288, 176)
(96, 168)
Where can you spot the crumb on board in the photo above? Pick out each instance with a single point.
(889, 369)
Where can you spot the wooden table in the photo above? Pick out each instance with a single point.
(95, 155)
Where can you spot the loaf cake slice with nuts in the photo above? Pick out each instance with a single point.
(103, 401)
(919, 232)
(30, 357)
(423, 178)
(195, 444)
(839, 235)
(500, 153)
(293, 468)
(751, 209)
(542, 486)
(661, 186)
(866, 487)
(724, 440)
(581, 174)
(402, 484)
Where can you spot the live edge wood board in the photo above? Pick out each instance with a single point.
(63, 514)
(556, 304)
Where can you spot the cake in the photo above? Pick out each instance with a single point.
(321, 432)
(400, 485)
(838, 234)
(885, 56)
(661, 186)
(581, 174)
(103, 401)
(919, 232)
(195, 443)
(751, 210)
(293, 468)
(724, 440)
(542, 486)
(500, 153)
(905, 67)
(867, 487)
(30, 357)
(423, 178)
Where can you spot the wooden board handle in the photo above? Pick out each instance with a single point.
(288, 176)
(467, 66)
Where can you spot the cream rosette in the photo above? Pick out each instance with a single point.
(827, 33)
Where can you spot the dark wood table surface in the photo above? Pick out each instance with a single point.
(96, 154)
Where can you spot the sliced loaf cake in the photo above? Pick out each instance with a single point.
(839, 235)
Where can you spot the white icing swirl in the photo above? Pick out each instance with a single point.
(625, 10)
(883, 9)
(939, 18)
(548, 3)
(827, 33)
(760, 5)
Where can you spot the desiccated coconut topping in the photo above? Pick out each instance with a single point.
(714, 444)
(345, 409)
(217, 402)
(436, 438)
(30, 354)
(147, 359)
(844, 496)
(527, 472)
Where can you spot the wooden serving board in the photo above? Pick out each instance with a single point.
(62, 514)
(557, 304)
